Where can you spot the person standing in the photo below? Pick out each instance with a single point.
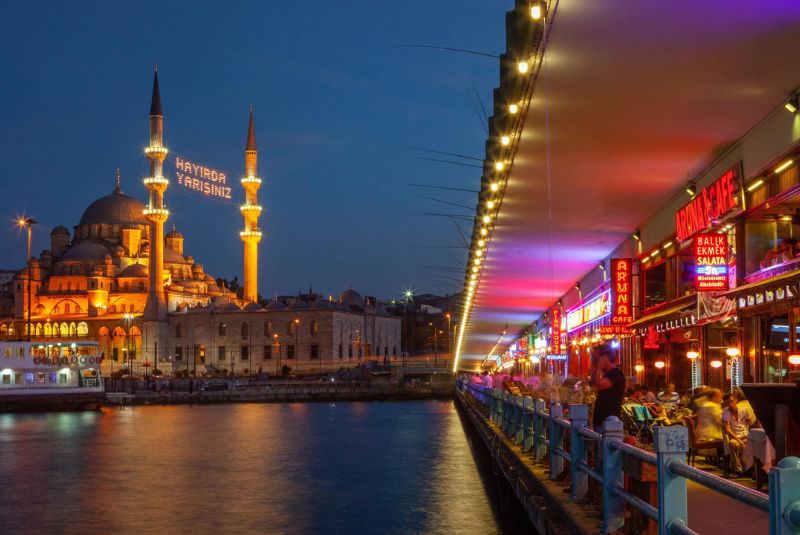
(609, 382)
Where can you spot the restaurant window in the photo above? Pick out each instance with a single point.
(686, 274)
(290, 351)
(776, 349)
(655, 285)
(221, 353)
(6, 379)
(267, 352)
(314, 351)
(245, 353)
(772, 240)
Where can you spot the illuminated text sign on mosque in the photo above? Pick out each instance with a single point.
(202, 179)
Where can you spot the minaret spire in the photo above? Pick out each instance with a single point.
(156, 212)
(118, 189)
(251, 211)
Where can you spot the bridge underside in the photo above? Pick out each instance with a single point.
(631, 101)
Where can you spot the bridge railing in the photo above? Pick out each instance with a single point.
(546, 433)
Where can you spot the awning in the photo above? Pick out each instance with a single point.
(773, 290)
(670, 313)
(772, 282)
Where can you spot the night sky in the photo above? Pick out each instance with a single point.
(337, 102)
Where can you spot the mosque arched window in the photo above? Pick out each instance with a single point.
(290, 327)
(314, 327)
(245, 330)
(221, 329)
(83, 329)
(73, 329)
(66, 308)
(112, 309)
(55, 311)
(64, 330)
(48, 330)
(267, 328)
(178, 331)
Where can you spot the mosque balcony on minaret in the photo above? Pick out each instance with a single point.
(250, 235)
(156, 151)
(251, 180)
(158, 183)
(248, 208)
(156, 214)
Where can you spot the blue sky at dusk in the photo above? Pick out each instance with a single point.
(336, 102)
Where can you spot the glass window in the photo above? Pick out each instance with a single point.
(62, 378)
(267, 352)
(655, 285)
(290, 351)
(245, 353)
(221, 353)
(6, 379)
(20, 352)
(29, 377)
(178, 331)
(314, 351)
(9, 352)
(40, 377)
(314, 327)
(17, 378)
(290, 327)
(771, 242)
(221, 329)
(179, 353)
(267, 328)
(245, 331)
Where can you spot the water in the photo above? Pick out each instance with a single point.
(352, 468)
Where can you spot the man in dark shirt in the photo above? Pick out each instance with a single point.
(609, 381)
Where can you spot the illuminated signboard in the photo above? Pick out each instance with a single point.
(710, 204)
(200, 179)
(560, 356)
(711, 258)
(621, 292)
(589, 311)
(555, 330)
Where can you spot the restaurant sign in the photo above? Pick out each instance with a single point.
(709, 205)
(555, 330)
(621, 292)
(711, 259)
(590, 310)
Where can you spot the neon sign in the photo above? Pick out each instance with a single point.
(711, 258)
(555, 330)
(589, 311)
(622, 292)
(202, 179)
(710, 204)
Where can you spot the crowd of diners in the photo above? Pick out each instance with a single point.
(714, 415)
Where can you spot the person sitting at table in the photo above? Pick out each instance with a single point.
(737, 422)
(668, 398)
(743, 405)
(709, 416)
(775, 256)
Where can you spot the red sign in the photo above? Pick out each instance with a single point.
(711, 261)
(713, 202)
(555, 331)
(621, 292)
(614, 330)
(651, 338)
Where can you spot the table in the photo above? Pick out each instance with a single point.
(758, 448)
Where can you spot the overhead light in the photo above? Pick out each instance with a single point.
(536, 11)
(602, 266)
(732, 352)
(490, 204)
(637, 235)
(477, 261)
(523, 67)
(493, 186)
(716, 363)
(654, 254)
(794, 360)
(499, 165)
(578, 286)
(784, 165)
(755, 185)
(692, 355)
(639, 368)
(473, 276)
(484, 232)
(667, 245)
(486, 219)
(505, 140)
(481, 243)
(659, 364)
(792, 104)
(513, 108)
(691, 190)
(475, 269)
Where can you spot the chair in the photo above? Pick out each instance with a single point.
(696, 445)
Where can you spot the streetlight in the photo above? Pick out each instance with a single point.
(277, 345)
(27, 222)
(128, 319)
(449, 344)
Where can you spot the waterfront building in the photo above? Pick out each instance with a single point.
(118, 279)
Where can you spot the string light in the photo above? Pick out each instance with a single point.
(536, 11)
(499, 166)
(493, 186)
(523, 67)
(513, 108)
(505, 140)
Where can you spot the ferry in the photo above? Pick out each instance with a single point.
(45, 376)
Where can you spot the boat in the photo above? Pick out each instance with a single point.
(50, 376)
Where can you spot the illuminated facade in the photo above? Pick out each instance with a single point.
(116, 278)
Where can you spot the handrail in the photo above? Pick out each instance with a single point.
(730, 489)
(543, 433)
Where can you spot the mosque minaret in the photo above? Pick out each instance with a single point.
(251, 211)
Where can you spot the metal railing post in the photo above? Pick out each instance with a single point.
(527, 423)
(579, 417)
(784, 497)
(519, 400)
(613, 505)
(508, 412)
(671, 444)
(538, 430)
(556, 441)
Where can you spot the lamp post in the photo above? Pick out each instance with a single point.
(277, 346)
(449, 341)
(27, 222)
(435, 344)
(296, 346)
(129, 357)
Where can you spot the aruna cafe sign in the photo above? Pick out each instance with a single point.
(711, 204)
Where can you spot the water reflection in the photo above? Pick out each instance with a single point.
(245, 468)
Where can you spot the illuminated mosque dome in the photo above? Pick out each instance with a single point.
(114, 209)
(351, 297)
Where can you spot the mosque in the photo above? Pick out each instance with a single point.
(117, 278)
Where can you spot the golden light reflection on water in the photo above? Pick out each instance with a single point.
(244, 468)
